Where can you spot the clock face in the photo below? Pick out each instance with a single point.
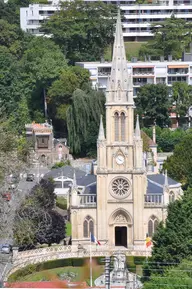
(120, 159)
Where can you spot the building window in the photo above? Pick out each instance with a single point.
(152, 226)
(122, 126)
(171, 197)
(88, 227)
(116, 126)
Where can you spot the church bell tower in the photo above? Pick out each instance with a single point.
(121, 179)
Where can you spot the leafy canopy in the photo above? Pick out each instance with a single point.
(179, 165)
(83, 30)
(83, 120)
(171, 37)
(152, 104)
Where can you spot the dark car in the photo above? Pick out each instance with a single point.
(30, 178)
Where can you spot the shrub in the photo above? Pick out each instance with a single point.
(61, 203)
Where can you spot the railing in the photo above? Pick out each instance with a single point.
(153, 200)
(87, 200)
(104, 73)
(180, 71)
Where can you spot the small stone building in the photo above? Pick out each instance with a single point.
(47, 149)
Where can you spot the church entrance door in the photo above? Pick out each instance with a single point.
(121, 236)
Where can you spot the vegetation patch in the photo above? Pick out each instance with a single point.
(131, 48)
(68, 229)
(61, 203)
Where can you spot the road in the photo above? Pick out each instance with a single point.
(23, 189)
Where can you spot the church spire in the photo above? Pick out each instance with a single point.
(137, 129)
(120, 82)
(101, 135)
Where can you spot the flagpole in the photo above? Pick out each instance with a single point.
(91, 277)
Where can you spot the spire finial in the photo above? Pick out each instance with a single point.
(101, 135)
(74, 180)
(166, 184)
(137, 129)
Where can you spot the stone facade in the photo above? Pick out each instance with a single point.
(129, 203)
(46, 149)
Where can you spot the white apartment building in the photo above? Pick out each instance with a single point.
(137, 18)
(151, 72)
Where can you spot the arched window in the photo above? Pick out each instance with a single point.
(152, 225)
(88, 227)
(122, 126)
(116, 126)
(85, 229)
(171, 197)
(150, 228)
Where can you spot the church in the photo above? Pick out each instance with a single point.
(121, 204)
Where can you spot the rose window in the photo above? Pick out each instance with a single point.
(120, 188)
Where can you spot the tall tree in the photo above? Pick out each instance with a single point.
(61, 91)
(182, 99)
(83, 30)
(171, 37)
(172, 240)
(37, 217)
(179, 165)
(152, 104)
(83, 118)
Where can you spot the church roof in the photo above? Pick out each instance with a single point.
(66, 171)
(153, 188)
(92, 189)
(86, 180)
(160, 179)
(149, 140)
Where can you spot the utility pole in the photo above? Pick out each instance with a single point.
(107, 272)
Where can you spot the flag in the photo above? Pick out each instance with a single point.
(148, 242)
(94, 240)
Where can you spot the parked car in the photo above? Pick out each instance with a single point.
(13, 181)
(30, 177)
(6, 249)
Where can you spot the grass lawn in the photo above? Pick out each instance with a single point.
(47, 275)
(68, 229)
(132, 50)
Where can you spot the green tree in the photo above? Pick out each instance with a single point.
(171, 37)
(61, 91)
(36, 214)
(83, 118)
(172, 242)
(166, 139)
(179, 165)
(83, 30)
(41, 64)
(182, 98)
(152, 104)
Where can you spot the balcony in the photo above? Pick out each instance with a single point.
(153, 200)
(104, 72)
(87, 200)
(143, 71)
(177, 71)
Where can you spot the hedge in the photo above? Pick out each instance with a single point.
(29, 269)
